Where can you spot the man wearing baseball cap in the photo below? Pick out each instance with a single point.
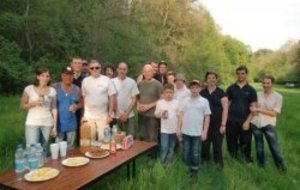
(68, 102)
(195, 112)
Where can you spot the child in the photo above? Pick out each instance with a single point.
(195, 113)
(167, 109)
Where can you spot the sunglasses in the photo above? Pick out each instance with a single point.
(94, 68)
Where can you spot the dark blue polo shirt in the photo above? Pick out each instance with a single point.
(240, 99)
(215, 104)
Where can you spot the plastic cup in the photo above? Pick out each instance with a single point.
(63, 148)
(54, 148)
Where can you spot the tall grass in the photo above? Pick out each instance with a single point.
(153, 175)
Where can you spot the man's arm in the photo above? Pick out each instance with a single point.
(246, 124)
(224, 102)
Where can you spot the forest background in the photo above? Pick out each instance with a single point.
(48, 33)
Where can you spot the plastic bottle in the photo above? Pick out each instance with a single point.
(40, 154)
(85, 138)
(26, 156)
(114, 132)
(19, 162)
(32, 158)
(107, 134)
(113, 146)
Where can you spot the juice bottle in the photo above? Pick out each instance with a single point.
(113, 146)
(85, 137)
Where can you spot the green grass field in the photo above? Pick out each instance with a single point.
(152, 175)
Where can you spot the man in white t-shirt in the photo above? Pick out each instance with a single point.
(126, 97)
(98, 93)
(195, 122)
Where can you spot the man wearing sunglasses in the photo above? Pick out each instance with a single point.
(98, 92)
(241, 97)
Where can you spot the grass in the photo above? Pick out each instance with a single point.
(153, 175)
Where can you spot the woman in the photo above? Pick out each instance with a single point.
(40, 101)
(109, 71)
(218, 103)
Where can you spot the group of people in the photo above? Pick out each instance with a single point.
(170, 110)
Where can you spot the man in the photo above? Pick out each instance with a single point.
(162, 72)
(98, 93)
(195, 113)
(155, 72)
(181, 91)
(150, 91)
(264, 122)
(68, 101)
(241, 97)
(76, 64)
(126, 97)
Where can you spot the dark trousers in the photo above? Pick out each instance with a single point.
(238, 139)
(78, 118)
(215, 138)
(149, 128)
(271, 136)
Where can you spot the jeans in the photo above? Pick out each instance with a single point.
(128, 125)
(70, 137)
(32, 134)
(191, 151)
(270, 134)
(167, 146)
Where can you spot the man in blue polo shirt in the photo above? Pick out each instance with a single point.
(241, 97)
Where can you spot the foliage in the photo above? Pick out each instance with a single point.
(184, 34)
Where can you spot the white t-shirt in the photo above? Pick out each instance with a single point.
(40, 115)
(194, 111)
(95, 92)
(168, 125)
(271, 102)
(126, 89)
(181, 94)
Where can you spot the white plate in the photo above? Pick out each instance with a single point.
(106, 146)
(75, 161)
(41, 174)
(87, 154)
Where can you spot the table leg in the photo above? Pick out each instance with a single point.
(128, 170)
(133, 168)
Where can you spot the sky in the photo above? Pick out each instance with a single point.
(257, 23)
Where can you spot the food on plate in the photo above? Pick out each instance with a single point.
(98, 152)
(75, 161)
(41, 174)
(107, 146)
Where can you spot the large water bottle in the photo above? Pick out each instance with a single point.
(32, 158)
(107, 134)
(114, 132)
(26, 156)
(40, 154)
(19, 162)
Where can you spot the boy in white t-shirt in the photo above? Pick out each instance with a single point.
(195, 122)
(167, 109)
